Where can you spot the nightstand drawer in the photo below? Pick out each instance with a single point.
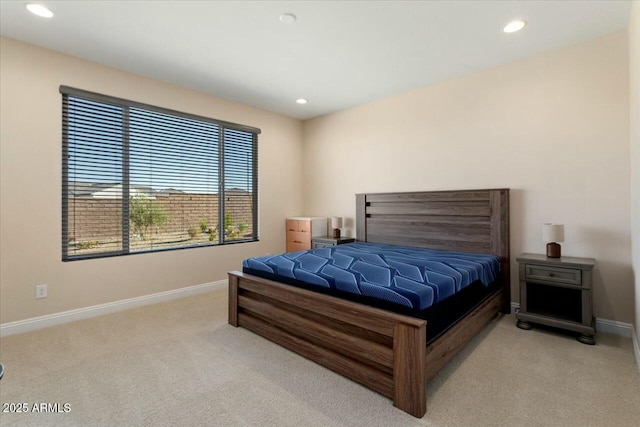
(299, 237)
(545, 273)
(316, 245)
(326, 241)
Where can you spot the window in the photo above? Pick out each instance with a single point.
(138, 178)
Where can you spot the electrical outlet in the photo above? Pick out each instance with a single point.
(41, 291)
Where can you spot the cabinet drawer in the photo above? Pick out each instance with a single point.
(569, 276)
(299, 237)
(304, 226)
(292, 225)
(295, 246)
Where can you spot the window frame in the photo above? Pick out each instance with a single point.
(67, 92)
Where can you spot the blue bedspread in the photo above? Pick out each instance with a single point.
(408, 276)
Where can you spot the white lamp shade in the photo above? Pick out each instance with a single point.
(336, 222)
(553, 233)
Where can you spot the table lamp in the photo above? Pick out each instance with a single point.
(552, 234)
(336, 224)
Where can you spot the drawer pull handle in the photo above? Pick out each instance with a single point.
(295, 241)
(304, 231)
(291, 229)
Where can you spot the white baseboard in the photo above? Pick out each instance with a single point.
(636, 346)
(602, 325)
(54, 319)
(614, 327)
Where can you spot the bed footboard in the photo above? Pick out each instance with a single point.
(383, 351)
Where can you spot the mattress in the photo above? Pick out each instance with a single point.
(398, 276)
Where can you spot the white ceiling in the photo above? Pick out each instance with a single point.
(338, 54)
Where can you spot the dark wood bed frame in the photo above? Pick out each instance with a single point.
(382, 350)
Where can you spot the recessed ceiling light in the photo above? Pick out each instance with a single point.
(40, 10)
(514, 26)
(301, 101)
(288, 18)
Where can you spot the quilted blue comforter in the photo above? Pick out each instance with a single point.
(413, 277)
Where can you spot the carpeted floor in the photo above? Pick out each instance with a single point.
(179, 363)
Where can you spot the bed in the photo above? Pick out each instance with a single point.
(386, 350)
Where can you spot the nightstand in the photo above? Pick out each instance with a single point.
(321, 242)
(557, 292)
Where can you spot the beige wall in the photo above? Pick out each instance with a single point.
(30, 153)
(554, 128)
(634, 99)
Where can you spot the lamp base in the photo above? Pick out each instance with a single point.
(553, 250)
(336, 233)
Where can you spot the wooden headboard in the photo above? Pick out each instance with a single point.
(464, 220)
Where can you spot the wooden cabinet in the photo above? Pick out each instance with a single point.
(300, 230)
(557, 292)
